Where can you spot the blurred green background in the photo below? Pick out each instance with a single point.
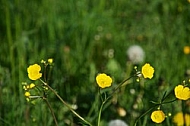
(80, 35)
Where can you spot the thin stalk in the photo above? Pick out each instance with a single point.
(100, 111)
(144, 114)
(50, 108)
(106, 99)
(68, 106)
(120, 85)
(169, 101)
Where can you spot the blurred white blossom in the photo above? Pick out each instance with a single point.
(117, 122)
(135, 54)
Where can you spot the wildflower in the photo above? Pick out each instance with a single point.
(135, 54)
(27, 94)
(117, 122)
(32, 85)
(34, 72)
(179, 119)
(158, 116)
(186, 49)
(103, 80)
(182, 92)
(147, 71)
(50, 61)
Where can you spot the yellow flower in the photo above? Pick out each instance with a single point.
(158, 116)
(147, 71)
(186, 49)
(179, 119)
(27, 94)
(34, 72)
(103, 80)
(32, 85)
(181, 92)
(50, 61)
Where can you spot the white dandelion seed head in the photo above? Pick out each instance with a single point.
(135, 54)
(117, 122)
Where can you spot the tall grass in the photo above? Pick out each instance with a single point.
(78, 35)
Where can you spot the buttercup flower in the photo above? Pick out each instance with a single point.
(34, 72)
(27, 94)
(179, 119)
(135, 54)
(147, 71)
(158, 116)
(103, 80)
(32, 85)
(50, 61)
(181, 92)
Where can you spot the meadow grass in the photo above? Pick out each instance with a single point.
(79, 36)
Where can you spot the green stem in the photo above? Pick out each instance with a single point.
(106, 99)
(183, 110)
(49, 106)
(118, 86)
(144, 114)
(166, 96)
(68, 106)
(169, 101)
(100, 111)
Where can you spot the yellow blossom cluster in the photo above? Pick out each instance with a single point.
(27, 88)
(181, 92)
(34, 74)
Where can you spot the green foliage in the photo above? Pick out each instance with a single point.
(79, 35)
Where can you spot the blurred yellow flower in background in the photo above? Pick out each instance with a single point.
(27, 94)
(186, 49)
(179, 119)
(103, 80)
(182, 92)
(147, 71)
(34, 72)
(158, 116)
(32, 85)
(50, 61)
